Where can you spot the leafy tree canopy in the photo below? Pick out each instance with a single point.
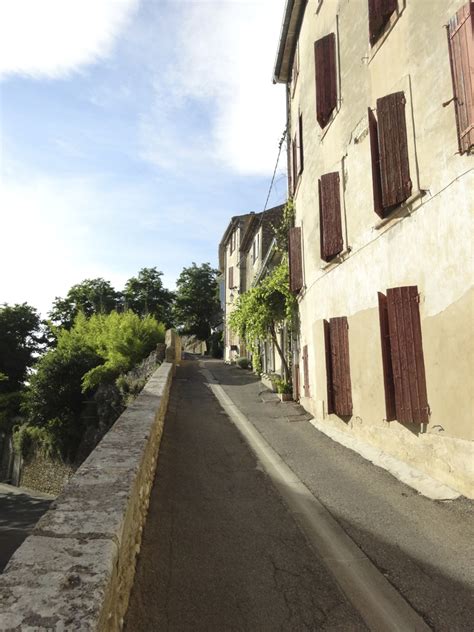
(197, 308)
(92, 296)
(145, 294)
(261, 309)
(20, 341)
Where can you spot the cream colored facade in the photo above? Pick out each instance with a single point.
(426, 242)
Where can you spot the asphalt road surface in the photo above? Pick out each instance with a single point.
(20, 510)
(220, 550)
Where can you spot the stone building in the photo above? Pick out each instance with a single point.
(247, 246)
(381, 132)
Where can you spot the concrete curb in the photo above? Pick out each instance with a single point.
(76, 570)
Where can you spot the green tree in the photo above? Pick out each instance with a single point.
(197, 308)
(92, 296)
(145, 294)
(94, 351)
(262, 309)
(20, 341)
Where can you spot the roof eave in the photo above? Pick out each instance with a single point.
(292, 19)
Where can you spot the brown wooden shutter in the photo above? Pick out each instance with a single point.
(300, 144)
(305, 371)
(296, 260)
(389, 386)
(393, 147)
(330, 216)
(341, 375)
(326, 78)
(296, 382)
(375, 157)
(231, 277)
(294, 156)
(327, 347)
(461, 53)
(411, 399)
(379, 14)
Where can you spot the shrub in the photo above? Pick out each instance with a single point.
(244, 363)
(28, 439)
(282, 386)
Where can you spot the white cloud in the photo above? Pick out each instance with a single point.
(52, 38)
(220, 65)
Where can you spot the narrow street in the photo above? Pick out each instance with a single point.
(223, 551)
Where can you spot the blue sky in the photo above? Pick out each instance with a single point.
(131, 131)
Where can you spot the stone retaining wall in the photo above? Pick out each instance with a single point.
(76, 570)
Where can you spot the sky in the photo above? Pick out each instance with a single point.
(131, 131)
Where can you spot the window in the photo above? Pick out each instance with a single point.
(297, 153)
(231, 277)
(305, 371)
(461, 54)
(326, 78)
(296, 68)
(389, 152)
(233, 241)
(295, 259)
(255, 248)
(402, 356)
(339, 390)
(380, 12)
(330, 227)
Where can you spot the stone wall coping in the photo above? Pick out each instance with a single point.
(75, 571)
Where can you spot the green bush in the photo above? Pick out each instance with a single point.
(29, 439)
(282, 386)
(244, 363)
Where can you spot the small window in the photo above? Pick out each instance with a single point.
(297, 153)
(338, 374)
(380, 12)
(255, 248)
(461, 54)
(295, 259)
(403, 364)
(389, 152)
(231, 277)
(330, 226)
(326, 78)
(305, 372)
(296, 68)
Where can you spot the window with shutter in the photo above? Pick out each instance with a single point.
(300, 145)
(379, 15)
(330, 225)
(337, 366)
(389, 154)
(389, 388)
(294, 161)
(326, 78)
(231, 277)
(295, 259)
(305, 371)
(406, 355)
(461, 53)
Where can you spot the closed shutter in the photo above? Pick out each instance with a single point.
(295, 259)
(393, 146)
(375, 157)
(330, 216)
(296, 382)
(379, 14)
(300, 144)
(294, 156)
(389, 388)
(326, 78)
(305, 371)
(231, 277)
(341, 375)
(327, 348)
(461, 49)
(411, 399)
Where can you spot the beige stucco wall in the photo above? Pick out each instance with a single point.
(428, 246)
(232, 259)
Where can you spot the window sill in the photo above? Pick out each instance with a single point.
(331, 120)
(338, 259)
(404, 210)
